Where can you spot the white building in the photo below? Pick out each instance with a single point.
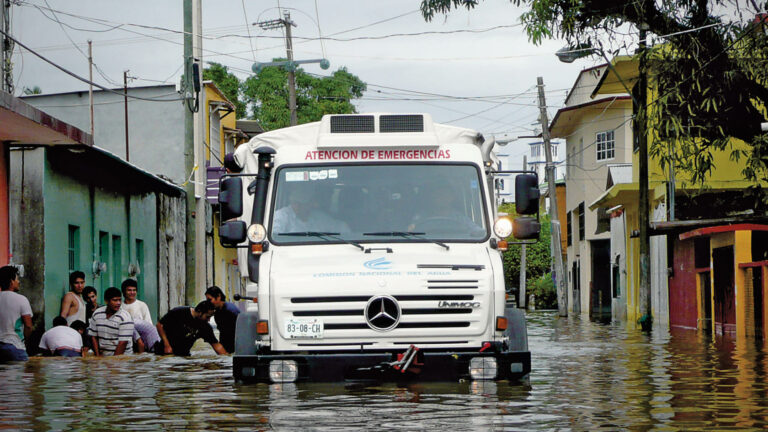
(598, 135)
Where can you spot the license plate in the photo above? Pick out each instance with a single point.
(303, 328)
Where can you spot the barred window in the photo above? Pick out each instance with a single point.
(605, 145)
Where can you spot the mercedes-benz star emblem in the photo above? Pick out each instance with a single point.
(382, 313)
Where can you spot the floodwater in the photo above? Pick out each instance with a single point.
(586, 376)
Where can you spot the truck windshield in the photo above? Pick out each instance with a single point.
(379, 203)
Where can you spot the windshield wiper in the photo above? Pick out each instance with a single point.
(322, 235)
(406, 234)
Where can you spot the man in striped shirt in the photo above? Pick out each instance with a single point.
(111, 328)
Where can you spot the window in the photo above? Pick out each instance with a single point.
(117, 260)
(581, 221)
(214, 141)
(103, 259)
(635, 124)
(73, 248)
(140, 262)
(605, 145)
(570, 227)
(373, 203)
(535, 150)
(553, 146)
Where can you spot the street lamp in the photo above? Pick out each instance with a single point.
(290, 65)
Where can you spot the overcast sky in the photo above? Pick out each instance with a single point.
(480, 53)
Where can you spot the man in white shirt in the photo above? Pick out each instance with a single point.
(14, 312)
(62, 340)
(137, 308)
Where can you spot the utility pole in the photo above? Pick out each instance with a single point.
(290, 65)
(125, 97)
(644, 294)
(189, 156)
(557, 256)
(201, 174)
(521, 299)
(291, 71)
(90, 84)
(6, 48)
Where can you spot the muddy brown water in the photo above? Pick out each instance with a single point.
(586, 376)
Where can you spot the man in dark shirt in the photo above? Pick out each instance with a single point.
(182, 326)
(225, 316)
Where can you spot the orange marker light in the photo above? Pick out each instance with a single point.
(262, 327)
(501, 323)
(257, 248)
(502, 245)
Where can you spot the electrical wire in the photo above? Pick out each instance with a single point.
(319, 30)
(248, 28)
(78, 77)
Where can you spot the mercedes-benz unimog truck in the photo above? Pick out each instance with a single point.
(372, 250)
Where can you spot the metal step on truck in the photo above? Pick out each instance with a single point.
(371, 246)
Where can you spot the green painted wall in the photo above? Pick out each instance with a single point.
(68, 202)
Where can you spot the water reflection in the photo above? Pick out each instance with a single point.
(586, 376)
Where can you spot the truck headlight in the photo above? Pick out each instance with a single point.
(502, 227)
(257, 233)
(283, 371)
(482, 368)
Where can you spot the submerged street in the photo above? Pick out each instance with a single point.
(586, 376)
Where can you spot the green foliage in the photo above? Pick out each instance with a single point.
(538, 259)
(267, 95)
(709, 80)
(27, 91)
(543, 289)
(228, 83)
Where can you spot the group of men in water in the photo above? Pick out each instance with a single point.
(123, 325)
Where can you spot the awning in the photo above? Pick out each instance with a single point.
(627, 68)
(21, 123)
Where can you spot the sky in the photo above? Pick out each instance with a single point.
(473, 69)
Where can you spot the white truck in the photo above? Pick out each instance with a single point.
(372, 249)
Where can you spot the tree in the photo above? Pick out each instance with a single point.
(267, 95)
(709, 73)
(538, 258)
(228, 83)
(27, 91)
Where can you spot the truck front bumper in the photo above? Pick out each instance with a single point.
(336, 367)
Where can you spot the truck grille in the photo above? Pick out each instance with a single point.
(409, 305)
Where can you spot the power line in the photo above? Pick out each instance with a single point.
(85, 80)
(247, 27)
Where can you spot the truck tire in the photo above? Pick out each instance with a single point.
(517, 330)
(245, 334)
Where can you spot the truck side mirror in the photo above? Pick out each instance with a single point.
(526, 194)
(526, 228)
(231, 198)
(232, 233)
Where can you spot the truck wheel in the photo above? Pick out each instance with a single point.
(517, 330)
(245, 334)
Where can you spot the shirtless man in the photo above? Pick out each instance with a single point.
(72, 305)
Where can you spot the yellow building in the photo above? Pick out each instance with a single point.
(675, 270)
(222, 134)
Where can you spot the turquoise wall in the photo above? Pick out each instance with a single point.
(68, 202)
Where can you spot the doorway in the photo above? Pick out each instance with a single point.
(724, 292)
(600, 288)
